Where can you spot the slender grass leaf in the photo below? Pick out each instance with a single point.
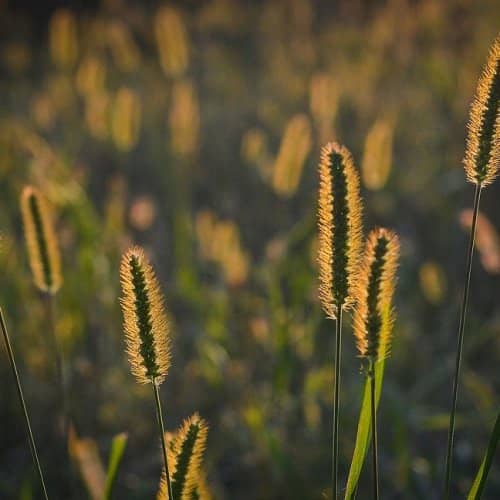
(363, 434)
(115, 457)
(477, 487)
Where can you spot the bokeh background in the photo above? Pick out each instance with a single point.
(194, 128)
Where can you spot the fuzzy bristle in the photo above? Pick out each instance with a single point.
(43, 250)
(185, 456)
(482, 156)
(373, 315)
(340, 228)
(144, 319)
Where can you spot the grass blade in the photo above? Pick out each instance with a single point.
(477, 487)
(115, 457)
(363, 434)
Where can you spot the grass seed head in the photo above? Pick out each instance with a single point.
(186, 449)
(482, 155)
(374, 315)
(340, 228)
(43, 250)
(144, 319)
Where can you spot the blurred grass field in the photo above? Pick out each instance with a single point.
(193, 128)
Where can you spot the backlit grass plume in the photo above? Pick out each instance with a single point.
(339, 247)
(340, 229)
(43, 250)
(482, 156)
(482, 160)
(146, 331)
(294, 149)
(144, 319)
(373, 316)
(186, 454)
(126, 119)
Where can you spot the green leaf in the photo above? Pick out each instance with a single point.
(477, 487)
(117, 449)
(363, 435)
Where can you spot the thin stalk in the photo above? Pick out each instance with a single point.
(336, 405)
(50, 311)
(162, 436)
(461, 327)
(31, 439)
(374, 432)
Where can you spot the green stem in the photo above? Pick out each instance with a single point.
(31, 439)
(336, 405)
(162, 436)
(461, 327)
(61, 380)
(374, 431)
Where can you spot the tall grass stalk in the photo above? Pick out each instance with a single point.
(147, 331)
(481, 163)
(49, 304)
(162, 437)
(339, 249)
(374, 431)
(374, 317)
(460, 343)
(336, 403)
(27, 422)
(45, 263)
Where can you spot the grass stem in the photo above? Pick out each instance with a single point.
(336, 405)
(31, 439)
(374, 431)
(162, 436)
(49, 302)
(461, 328)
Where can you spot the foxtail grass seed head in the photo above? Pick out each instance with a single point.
(482, 155)
(184, 118)
(43, 250)
(172, 41)
(377, 156)
(124, 50)
(63, 38)
(186, 455)
(144, 319)
(126, 119)
(294, 149)
(340, 228)
(374, 315)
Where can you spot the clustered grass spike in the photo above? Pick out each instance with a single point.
(373, 316)
(482, 155)
(185, 457)
(41, 241)
(145, 321)
(340, 228)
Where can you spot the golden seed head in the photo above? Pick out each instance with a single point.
(172, 41)
(147, 333)
(294, 149)
(374, 315)
(184, 118)
(482, 155)
(63, 38)
(186, 449)
(340, 228)
(43, 250)
(126, 119)
(377, 156)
